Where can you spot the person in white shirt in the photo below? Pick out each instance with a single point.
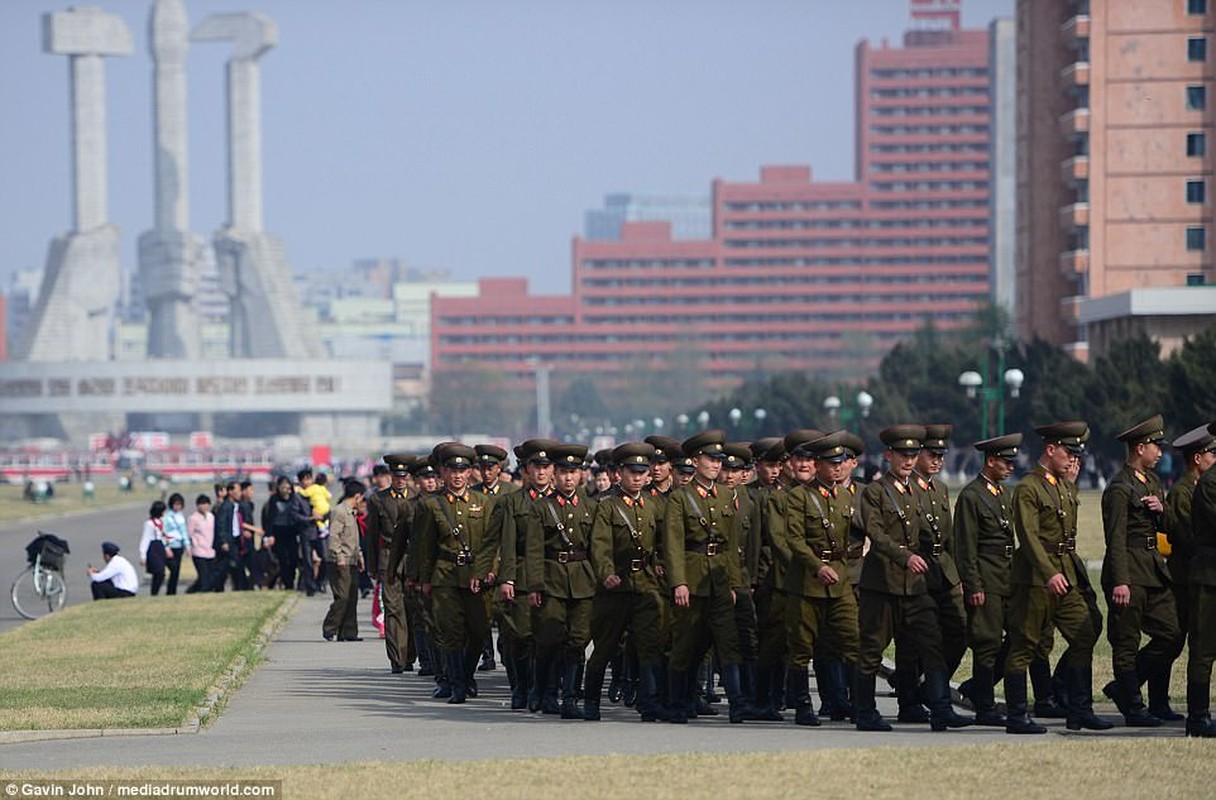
(117, 579)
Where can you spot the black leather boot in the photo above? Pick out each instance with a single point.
(1016, 718)
(570, 690)
(677, 689)
(740, 710)
(487, 655)
(942, 715)
(1046, 704)
(650, 705)
(616, 686)
(868, 718)
(593, 688)
(1159, 692)
(823, 684)
(804, 710)
(426, 667)
(541, 675)
(1198, 711)
(1081, 700)
(982, 699)
(907, 691)
(842, 705)
(549, 699)
(1135, 715)
(455, 660)
(522, 666)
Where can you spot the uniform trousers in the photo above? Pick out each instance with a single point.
(912, 618)
(1036, 610)
(770, 623)
(819, 627)
(986, 627)
(561, 628)
(397, 642)
(614, 613)
(1151, 610)
(462, 618)
(1202, 634)
(695, 625)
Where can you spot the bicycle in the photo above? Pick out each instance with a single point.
(41, 588)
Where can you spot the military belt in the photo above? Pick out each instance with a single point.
(855, 552)
(459, 559)
(566, 556)
(934, 549)
(1005, 550)
(833, 555)
(639, 564)
(705, 548)
(1069, 545)
(1142, 542)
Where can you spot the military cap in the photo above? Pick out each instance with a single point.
(762, 447)
(438, 448)
(706, 442)
(665, 447)
(829, 448)
(1072, 435)
(1199, 440)
(456, 456)
(423, 468)
(569, 455)
(1003, 446)
(603, 456)
(380, 469)
(738, 456)
(903, 438)
(490, 454)
(1151, 430)
(937, 438)
(536, 451)
(796, 441)
(634, 456)
(683, 464)
(400, 463)
(853, 443)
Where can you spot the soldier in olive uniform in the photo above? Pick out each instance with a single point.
(770, 629)
(502, 560)
(623, 540)
(450, 527)
(389, 518)
(1045, 579)
(703, 571)
(1202, 612)
(1198, 450)
(425, 479)
(822, 608)
(1135, 577)
(984, 545)
(490, 461)
(560, 582)
(895, 600)
(735, 467)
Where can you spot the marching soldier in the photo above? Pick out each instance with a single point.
(450, 526)
(1201, 615)
(425, 479)
(1136, 579)
(502, 560)
(984, 545)
(698, 545)
(490, 461)
(623, 540)
(735, 468)
(895, 599)
(1045, 579)
(1198, 449)
(560, 581)
(770, 629)
(389, 518)
(821, 607)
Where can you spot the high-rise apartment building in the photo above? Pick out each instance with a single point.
(797, 273)
(1115, 148)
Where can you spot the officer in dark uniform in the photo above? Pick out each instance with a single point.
(821, 610)
(623, 540)
(502, 561)
(389, 518)
(895, 600)
(1202, 612)
(450, 526)
(703, 572)
(1197, 448)
(984, 545)
(1135, 577)
(1046, 575)
(560, 581)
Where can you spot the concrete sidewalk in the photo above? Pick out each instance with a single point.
(318, 702)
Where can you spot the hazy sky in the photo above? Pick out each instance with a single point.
(461, 134)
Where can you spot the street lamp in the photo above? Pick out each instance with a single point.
(735, 415)
(760, 414)
(849, 416)
(990, 391)
(682, 421)
(703, 419)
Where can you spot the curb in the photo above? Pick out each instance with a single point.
(234, 675)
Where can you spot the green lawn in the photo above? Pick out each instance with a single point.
(139, 663)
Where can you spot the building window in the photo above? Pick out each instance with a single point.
(1196, 6)
(1197, 49)
(1196, 144)
(1196, 98)
(1196, 239)
(1195, 191)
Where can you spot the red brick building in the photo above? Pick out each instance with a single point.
(799, 274)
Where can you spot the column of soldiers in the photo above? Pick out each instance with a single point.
(763, 562)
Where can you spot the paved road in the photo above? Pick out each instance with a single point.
(319, 702)
(84, 533)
